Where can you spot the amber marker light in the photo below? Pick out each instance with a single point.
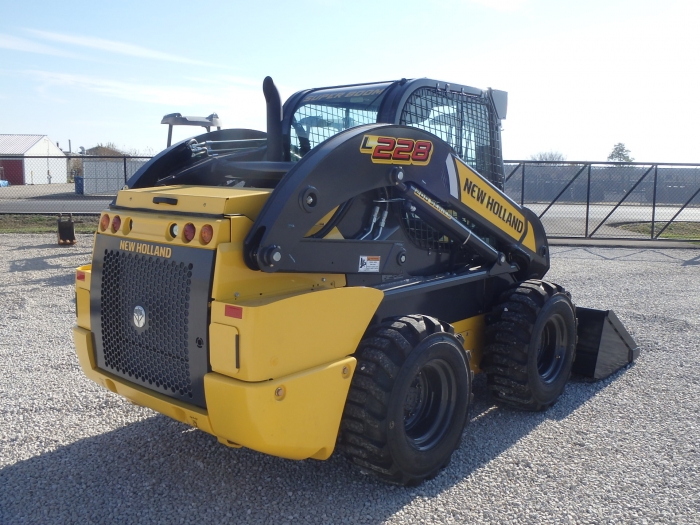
(104, 222)
(116, 223)
(206, 233)
(188, 232)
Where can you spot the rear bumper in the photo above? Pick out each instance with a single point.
(296, 416)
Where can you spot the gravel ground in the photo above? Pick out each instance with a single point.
(623, 450)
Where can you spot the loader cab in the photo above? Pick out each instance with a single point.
(467, 118)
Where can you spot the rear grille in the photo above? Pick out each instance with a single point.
(156, 353)
(165, 348)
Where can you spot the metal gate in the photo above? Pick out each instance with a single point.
(610, 200)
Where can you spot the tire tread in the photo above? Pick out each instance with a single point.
(379, 359)
(508, 334)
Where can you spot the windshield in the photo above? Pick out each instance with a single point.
(326, 112)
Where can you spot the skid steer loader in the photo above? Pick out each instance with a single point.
(335, 281)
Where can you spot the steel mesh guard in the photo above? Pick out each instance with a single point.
(167, 352)
(463, 121)
(316, 123)
(158, 353)
(423, 234)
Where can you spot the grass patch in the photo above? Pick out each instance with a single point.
(676, 230)
(10, 223)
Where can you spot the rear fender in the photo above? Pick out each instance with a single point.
(271, 337)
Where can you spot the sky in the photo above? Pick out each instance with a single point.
(580, 76)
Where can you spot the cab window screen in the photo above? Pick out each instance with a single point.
(463, 121)
(325, 113)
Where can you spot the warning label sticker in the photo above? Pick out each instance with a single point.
(369, 263)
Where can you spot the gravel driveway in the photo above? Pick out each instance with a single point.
(623, 450)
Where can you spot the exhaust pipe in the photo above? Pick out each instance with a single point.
(274, 120)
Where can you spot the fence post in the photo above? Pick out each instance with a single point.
(653, 203)
(124, 158)
(588, 200)
(522, 188)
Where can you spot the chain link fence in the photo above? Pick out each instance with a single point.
(609, 200)
(573, 199)
(65, 184)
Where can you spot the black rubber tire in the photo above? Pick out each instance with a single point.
(530, 345)
(408, 401)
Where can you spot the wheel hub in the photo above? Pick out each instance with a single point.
(552, 349)
(415, 399)
(429, 404)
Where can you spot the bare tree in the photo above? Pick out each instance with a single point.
(108, 149)
(552, 156)
(145, 152)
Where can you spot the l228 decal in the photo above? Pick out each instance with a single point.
(393, 150)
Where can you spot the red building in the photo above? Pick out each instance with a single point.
(31, 159)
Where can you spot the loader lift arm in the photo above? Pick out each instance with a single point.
(347, 166)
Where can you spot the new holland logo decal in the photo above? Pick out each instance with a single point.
(139, 316)
(146, 249)
(392, 150)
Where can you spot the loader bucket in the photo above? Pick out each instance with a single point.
(604, 346)
(66, 230)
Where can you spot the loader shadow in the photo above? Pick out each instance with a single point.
(84, 244)
(47, 246)
(40, 264)
(35, 264)
(52, 260)
(159, 470)
(56, 280)
(71, 196)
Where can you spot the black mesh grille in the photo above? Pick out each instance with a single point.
(463, 121)
(428, 238)
(157, 353)
(423, 234)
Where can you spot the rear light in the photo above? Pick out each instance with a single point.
(104, 222)
(116, 223)
(81, 276)
(206, 234)
(188, 232)
(173, 230)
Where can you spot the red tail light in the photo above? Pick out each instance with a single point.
(104, 222)
(206, 234)
(188, 232)
(81, 276)
(116, 223)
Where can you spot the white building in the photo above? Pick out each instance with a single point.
(108, 176)
(31, 159)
